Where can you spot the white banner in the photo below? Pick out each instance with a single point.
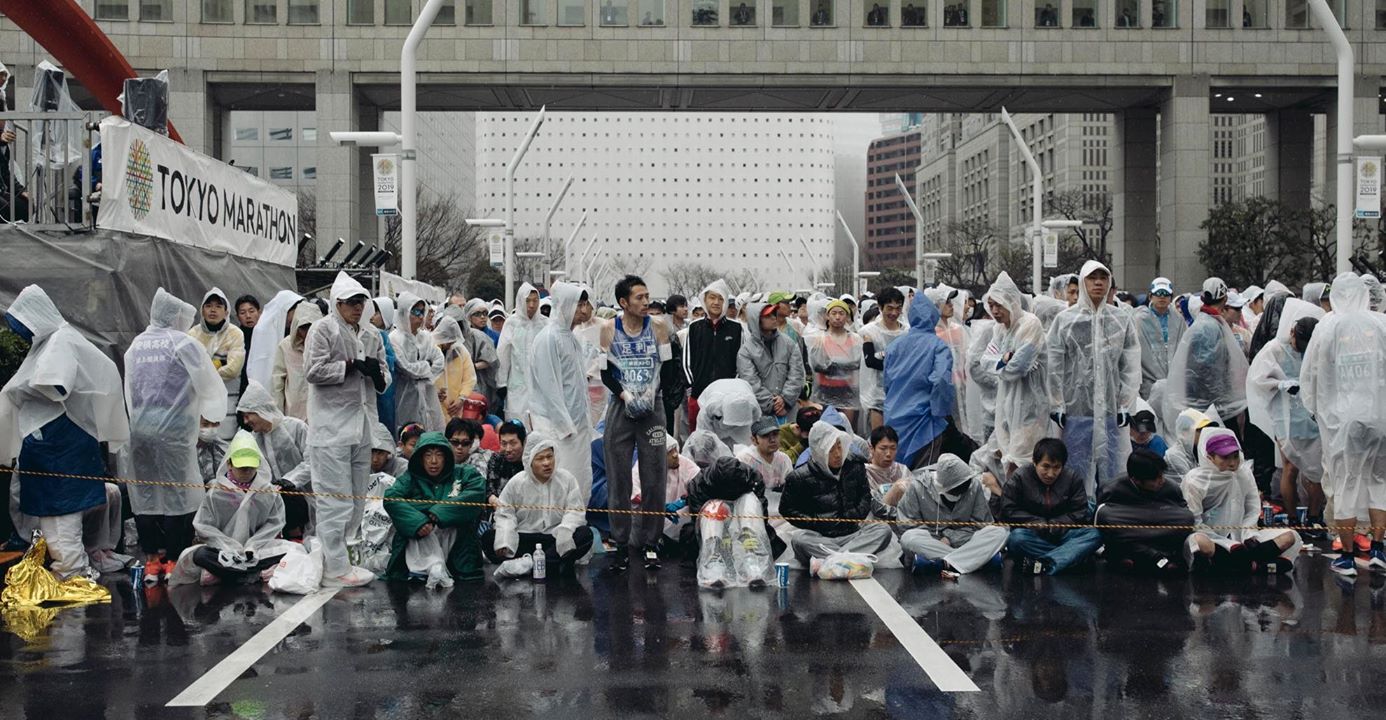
(385, 168)
(155, 186)
(496, 246)
(1051, 249)
(391, 285)
(1368, 187)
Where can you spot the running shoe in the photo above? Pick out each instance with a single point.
(924, 566)
(355, 577)
(651, 558)
(620, 559)
(1377, 561)
(1344, 565)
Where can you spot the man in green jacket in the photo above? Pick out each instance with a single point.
(436, 543)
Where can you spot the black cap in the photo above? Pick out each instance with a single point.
(807, 417)
(1143, 421)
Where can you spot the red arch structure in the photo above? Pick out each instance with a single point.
(65, 30)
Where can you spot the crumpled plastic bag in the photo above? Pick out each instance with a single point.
(846, 566)
(29, 583)
(299, 573)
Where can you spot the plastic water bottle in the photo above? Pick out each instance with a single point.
(541, 568)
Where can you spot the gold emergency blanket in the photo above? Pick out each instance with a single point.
(30, 584)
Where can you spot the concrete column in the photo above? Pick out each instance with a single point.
(1366, 121)
(192, 111)
(1289, 156)
(1135, 245)
(1183, 183)
(339, 185)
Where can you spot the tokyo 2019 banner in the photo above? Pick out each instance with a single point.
(154, 186)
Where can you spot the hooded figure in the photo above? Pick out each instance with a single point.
(282, 440)
(55, 412)
(267, 334)
(1341, 386)
(703, 448)
(960, 538)
(713, 344)
(237, 523)
(832, 487)
(344, 363)
(1227, 506)
(419, 363)
(1209, 367)
(1181, 457)
(458, 379)
(919, 383)
(225, 344)
(1272, 393)
(1094, 367)
(481, 347)
(385, 402)
(734, 545)
(953, 331)
(514, 351)
(437, 541)
(558, 387)
(728, 409)
(1375, 293)
(770, 363)
(537, 511)
(1313, 292)
(289, 386)
(1015, 358)
(1159, 337)
(170, 383)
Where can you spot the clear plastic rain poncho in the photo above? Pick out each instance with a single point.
(873, 381)
(341, 405)
(1015, 357)
(981, 386)
(558, 402)
(1343, 384)
(1208, 368)
(1313, 292)
(1376, 294)
(285, 447)
(817, 317)
(55, 144)
(1224, 504)
(1272, 394)
(516, 345)
(267, 334)
(63, 373)
(288, 386)
(1158, 342)
(703, 448)
(169, 384)
(952, 331)
(1094, 366)
(418, 362)
(728, 408)
(235, 521)
(836, 360)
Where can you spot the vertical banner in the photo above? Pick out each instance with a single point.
(1051, 248)
(496, 244)
(385, 167)
(1368, 188)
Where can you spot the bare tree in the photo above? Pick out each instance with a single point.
(1096, 213)
(971, 244)
(689, 278)
(446, 245)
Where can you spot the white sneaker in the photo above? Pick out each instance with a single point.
(105, 562)
(516, 568)
(355, 577)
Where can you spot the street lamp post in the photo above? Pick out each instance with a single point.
(548, 217)
(567, 259)
(793, 271)
(862, 277)
(1036, 202)
(813, 264)
(918, 231)
(1323, 15)
(582, 259)
(510, 169)
(856, 254)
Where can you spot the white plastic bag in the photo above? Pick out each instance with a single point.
(735, 548)
(845, 566)
(298, 572)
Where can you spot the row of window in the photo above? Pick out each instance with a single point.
(742, 13)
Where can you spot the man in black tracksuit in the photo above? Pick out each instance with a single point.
(713, 343)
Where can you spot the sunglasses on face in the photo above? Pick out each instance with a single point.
(416, 312)
(357, 301)
(459, 444)
(1161, 294)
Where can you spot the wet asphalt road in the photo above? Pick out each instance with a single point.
(653, 645)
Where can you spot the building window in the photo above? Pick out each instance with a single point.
(994, 13)
(217, 11)
(705, 13)
(281, 134)
(822, 14)
(477, 12)
(955, 15)
(616, 13)
(1085, 13)
(1297, 14)
(1047, 16)
(156, 10)
(261, 12)
(303, 12)
(785, 13)
(360, 12)
(572, 13)
(1254, 14)
(112, 9)
(1381, 14)
(1164, 14)
(915, 13)
(877, 16)
(1128, 14)
(532, 12)
(651, 13)
(399, 12)
(247, 134)
(1218, 14)
(281, 173)
(309, 173)
(743, 15)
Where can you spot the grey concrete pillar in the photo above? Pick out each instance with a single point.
(339, 185)
(1183, 182)
(1367, 120)
(1290, 156)
(1135, 245)
(192, 111)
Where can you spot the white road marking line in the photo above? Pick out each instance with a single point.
(207, 687)
(940, 668)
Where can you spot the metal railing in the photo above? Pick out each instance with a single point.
(49, 185)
